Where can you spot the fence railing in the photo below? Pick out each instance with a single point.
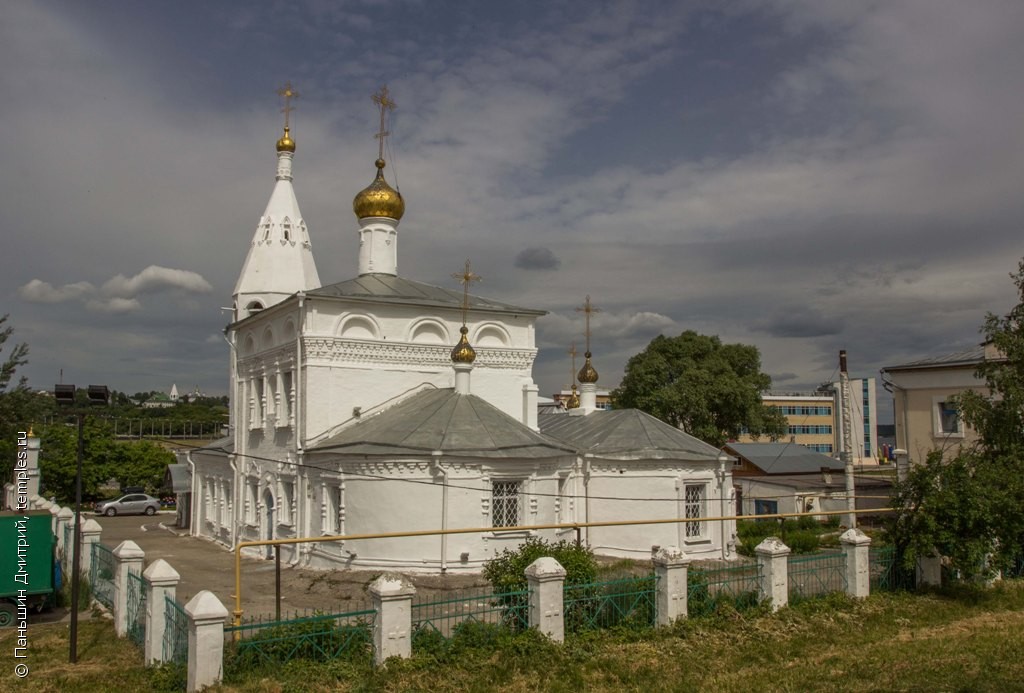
(816, 575)
(175, 641)
(136, 606)
(315, 636)
(709, 589)
(886, 573)
(438, 620)
(101, 575)
(628, 601)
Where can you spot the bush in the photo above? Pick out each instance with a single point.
(505, 571)
(801, 535)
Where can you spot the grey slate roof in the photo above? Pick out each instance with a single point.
(783, 458)
(386, 288)
(625, 433)
(221, 445)
(179, 477)
(456, 425)
(968, 357)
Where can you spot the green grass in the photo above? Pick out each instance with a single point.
(968, 639)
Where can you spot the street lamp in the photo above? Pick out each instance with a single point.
(65, 396)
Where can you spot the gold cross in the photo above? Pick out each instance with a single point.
(572, 353)
(288, 93)
(587, 309)
(385, 104)
(465, 277)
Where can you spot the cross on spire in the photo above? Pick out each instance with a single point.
(572, 354)
(287, 92)
(587, 309)
(465, 277)
(385, 104)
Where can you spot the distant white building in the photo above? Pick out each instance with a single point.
(382, 404)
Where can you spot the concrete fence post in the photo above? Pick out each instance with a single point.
(91, 531)
(205, 640)
(65, 517)
(671, 567)
(773, 565)
(857, 546)
(127, 556)
(928, 572)
(54, 510)
(546, 580)
(161, 581)
(392, 629)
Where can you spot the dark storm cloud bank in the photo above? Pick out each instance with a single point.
(537, 259)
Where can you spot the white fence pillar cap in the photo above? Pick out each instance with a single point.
(772, 546)
(392, 585)
(160, 572)
(91, 526)
(670, 556)
(65, 513)
(854, 536)
(206, 607)
(545, 568)
(128, 549)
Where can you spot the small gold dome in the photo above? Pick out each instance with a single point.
(574, 399)
(379, 199)
(463, 352)
(286, 143)
(587, 374)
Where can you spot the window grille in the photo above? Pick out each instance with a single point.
(505, 503)
(694, 508)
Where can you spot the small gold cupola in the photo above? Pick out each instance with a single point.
(574, 399)
(286, 143)
(587, 374)
(463, 352)
(379, 199)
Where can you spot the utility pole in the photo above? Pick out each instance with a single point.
(847, 451)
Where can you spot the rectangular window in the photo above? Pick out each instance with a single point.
(258, 404)
(949, 420)
(694, 508)
(286, 400)
(287, 501)
(333, 510)
(505, 503)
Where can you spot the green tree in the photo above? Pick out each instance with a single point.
(970, 507)
(19, 406)
(709, 389)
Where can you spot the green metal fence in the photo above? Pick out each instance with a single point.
(313, 635)
(710, 589)
(478, 613)
(816, 575)
(101, 575)
(628, 601)
(886, 574)
(136, 604)
(175, 640)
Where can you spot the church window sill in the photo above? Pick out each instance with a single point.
(512, 533)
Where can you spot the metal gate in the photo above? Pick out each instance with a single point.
(175, 632)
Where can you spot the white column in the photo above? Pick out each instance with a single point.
(65, 516)
(773, 563)
(530, 406)
(462, 373)
(856, 546)
(929, 571)
(91, 531)
(392, 630)
(161, 581)
(546, 580)
(205, 640)
(588, 397)
(127, 556)
(671, 566)
(378, 246)
(54, 511)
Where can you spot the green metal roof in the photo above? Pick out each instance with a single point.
(625, 433)
(443, 421)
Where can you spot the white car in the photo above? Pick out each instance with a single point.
(132, 504)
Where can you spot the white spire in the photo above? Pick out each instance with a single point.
(280, 261)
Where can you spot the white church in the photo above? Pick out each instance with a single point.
(384, 404)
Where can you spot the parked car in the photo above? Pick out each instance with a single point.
(132, 504)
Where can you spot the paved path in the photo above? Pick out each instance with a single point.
(203, 564)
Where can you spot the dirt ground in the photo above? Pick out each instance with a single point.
(205, 565)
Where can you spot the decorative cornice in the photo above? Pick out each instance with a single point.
(333, 350)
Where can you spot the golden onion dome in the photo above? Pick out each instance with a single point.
(587, 374)
(379, 199)
(574, 399)
(286, 143)
(463, 352)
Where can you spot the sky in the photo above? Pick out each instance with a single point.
(801, 175)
